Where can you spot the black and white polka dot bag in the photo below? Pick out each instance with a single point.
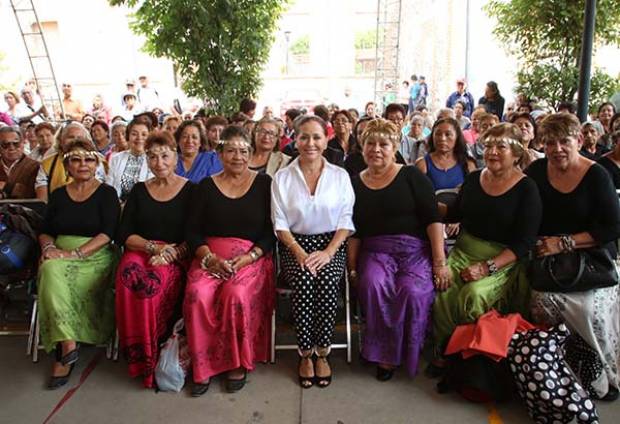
(544, 381)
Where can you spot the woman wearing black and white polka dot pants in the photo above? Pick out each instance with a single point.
(312, 208)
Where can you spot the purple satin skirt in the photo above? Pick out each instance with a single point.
(396, 295)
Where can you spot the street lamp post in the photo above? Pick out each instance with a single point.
(287, 37)
(583, 98)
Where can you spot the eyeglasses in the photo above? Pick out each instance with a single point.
(266, 133)
(8, 144)
(66, 85)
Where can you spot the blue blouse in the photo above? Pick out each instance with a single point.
(450, 178)
(205, 165)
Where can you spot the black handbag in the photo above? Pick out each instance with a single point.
(579, 270)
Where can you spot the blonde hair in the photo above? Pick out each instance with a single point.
(382, 128)
(507, 132)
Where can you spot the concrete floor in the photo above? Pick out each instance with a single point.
(272, 395)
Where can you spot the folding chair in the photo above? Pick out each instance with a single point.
(286, 291)
(34, 338)
(448, 197)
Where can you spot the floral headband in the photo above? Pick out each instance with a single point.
(157, 149)
(81, 153)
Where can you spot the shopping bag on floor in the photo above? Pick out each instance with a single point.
(173, 362)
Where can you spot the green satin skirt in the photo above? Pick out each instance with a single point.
(462, 303)
(76, 296)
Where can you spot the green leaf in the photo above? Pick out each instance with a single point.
(219, 47)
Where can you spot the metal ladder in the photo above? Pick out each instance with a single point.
(387, 50)
(38, 56)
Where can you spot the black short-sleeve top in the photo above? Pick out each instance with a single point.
(99, 214)
(406, 206)
(511, 219)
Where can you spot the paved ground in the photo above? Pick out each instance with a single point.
(271, 396)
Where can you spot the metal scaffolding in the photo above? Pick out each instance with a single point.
(387, 50)
(38, 56)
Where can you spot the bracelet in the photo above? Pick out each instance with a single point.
(491, 266)
(78, 252)
(437, 264)
(48, 246)
(204, 262)
(150, 247)
(254, 255)
(567, 243)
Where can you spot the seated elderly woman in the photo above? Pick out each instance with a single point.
(343, 140)
(52, 173)
(266, 159)
(590, 147)
(528, 126)
(580, 211)
(195, 160)
(150, 274)
(45, 139)
(486, 121)
(130, 166)
(118, 134)
(230, 285)
(18, 171)
(499, 209)
(100, 132)
(76, 276)
(397, 247)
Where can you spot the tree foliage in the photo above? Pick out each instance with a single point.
(301, 45)
(219, 47)
(545, 36)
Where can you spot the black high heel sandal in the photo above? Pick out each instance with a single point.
(70, 358)
(325, 381)
(305, 382)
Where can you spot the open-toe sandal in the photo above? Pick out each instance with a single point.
(305, 382)
(324, 381)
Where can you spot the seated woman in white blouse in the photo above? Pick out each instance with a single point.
(130, 166)
(312, 207)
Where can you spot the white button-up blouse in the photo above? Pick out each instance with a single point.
(294, 209)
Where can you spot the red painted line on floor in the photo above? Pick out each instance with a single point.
(91, 366)
(494, 417)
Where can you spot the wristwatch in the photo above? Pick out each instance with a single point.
(491, 266)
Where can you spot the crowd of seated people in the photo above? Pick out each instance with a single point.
(188, 218)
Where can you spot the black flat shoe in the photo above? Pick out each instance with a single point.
(234, 385)
(325, 381)
(199, 389)
(384, 374)
(57, 382)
